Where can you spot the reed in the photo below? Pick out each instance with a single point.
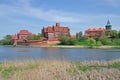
(60, 70)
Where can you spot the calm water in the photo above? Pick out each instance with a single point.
(78, 54)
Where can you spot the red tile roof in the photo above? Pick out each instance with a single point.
(95, 29)
(56, 28)
(24, 32)
(14, 37)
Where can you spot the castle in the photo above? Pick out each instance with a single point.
(97, 33)
(54, 32)
(51, 34)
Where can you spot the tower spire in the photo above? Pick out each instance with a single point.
(108, 25)
(108, 22)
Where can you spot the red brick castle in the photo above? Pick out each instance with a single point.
(54, 32)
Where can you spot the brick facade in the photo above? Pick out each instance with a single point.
(54, 32)
(95, 33)
(21, 36)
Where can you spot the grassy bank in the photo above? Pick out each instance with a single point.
(60, 70)
(78, 46)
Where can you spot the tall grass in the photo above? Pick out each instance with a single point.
(60, 70)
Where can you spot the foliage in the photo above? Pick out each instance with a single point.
(116, 41)
(99, 43)
(112, 34)
(115, 65)
(83, 38)
(84, 68)
(91, 42)
(7, 37)
(80, 34)
(6, 40)
(7, 73)
(105, 41)
(68, 41)
(36, 37)
(119, 34)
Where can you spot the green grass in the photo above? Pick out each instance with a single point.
(7, 73)
(115, 65)
(84, 68)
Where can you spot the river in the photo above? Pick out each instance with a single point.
(71, 54)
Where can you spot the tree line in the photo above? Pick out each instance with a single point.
(111, 37)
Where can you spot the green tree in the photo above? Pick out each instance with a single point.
(112, 34)
(91, 42)
(119, 34)
(105, 41)
(6, 40)
(80, 34)
(7, 37)
(36, 37)
(72, 41)
(99, 43)
(63, 40)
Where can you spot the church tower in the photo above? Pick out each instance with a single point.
(108, 26)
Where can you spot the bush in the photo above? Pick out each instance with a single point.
(106, 41)
(68, 41)
(99, 43)
(91, 42)
(5, 42)
(116, 41)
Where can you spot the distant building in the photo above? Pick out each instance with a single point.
(54, 32)
(21, 36)
(108, 26)
(95, 33)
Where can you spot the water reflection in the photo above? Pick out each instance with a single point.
(21, 53)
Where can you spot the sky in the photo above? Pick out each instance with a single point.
(78, 15)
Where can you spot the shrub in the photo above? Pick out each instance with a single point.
(91, 42)
(99, 43)
(105, 41)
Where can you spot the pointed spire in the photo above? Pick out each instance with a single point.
(108, 25)
(108, 22)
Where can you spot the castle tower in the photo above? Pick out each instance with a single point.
(108, 26)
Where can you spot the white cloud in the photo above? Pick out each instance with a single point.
(23, 7)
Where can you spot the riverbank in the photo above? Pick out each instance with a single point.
(67, 46)
(60, 70)
(77, 46)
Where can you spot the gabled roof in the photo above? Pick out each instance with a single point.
(24, 32)
(95, 29)
(14, 37)
(56, 28)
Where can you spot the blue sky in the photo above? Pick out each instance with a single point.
(78, 15)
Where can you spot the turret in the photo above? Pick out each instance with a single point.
(108, 26)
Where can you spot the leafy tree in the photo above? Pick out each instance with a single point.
(105, 41)
(63, 40)
(36, 37)
(83, 38)
(72, 41)
(68, 41)
(91, 42)
(116, 42)
(80, 34)
(99, 43)
(119, 34)
(6, 40)
(7, 37)
(111, 34)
